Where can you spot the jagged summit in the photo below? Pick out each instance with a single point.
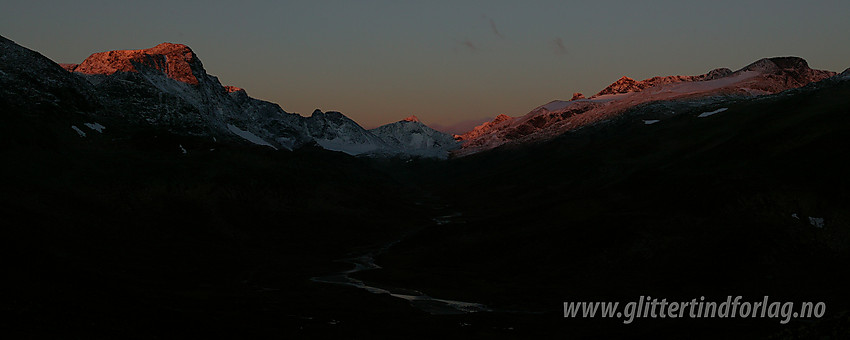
(483, 128)
(231, 89)
(717, 73)
(622, 85)
(178, 61)
(412, 118)
(501, 117)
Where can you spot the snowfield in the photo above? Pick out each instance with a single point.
(80, 132)
(346, 146)
(248, 136)
(817, 222)
(95, 126)
(706, 114)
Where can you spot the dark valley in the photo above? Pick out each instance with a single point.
(143, 198)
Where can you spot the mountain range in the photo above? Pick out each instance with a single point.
(677, 95)
(142, 198)
(167, 86)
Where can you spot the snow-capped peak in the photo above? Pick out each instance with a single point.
(622, 85)
(412, 137)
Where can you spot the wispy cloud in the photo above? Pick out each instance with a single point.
(558, 45)
(495, 29)
(468, 43)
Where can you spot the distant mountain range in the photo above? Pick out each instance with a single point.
(167, 86)
(678, 94)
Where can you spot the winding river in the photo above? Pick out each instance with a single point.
(416, 299)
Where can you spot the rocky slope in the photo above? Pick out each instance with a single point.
(334, 131)
(763, 77)
(168, 86)
(30, 81)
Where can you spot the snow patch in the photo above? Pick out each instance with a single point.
(650, 121)
(706, 114)
(248, 136)
(556, 105)
(693, 87)
(80, 132)
(95, 126)
(610, 97)
(349, 148)
(816, 221)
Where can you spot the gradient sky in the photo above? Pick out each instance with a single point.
(444, 61)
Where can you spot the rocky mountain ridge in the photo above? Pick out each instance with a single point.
(763, 77)
(167, 86)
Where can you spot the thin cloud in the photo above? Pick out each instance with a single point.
(468, 43)
(558, 44)
(495, 29)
